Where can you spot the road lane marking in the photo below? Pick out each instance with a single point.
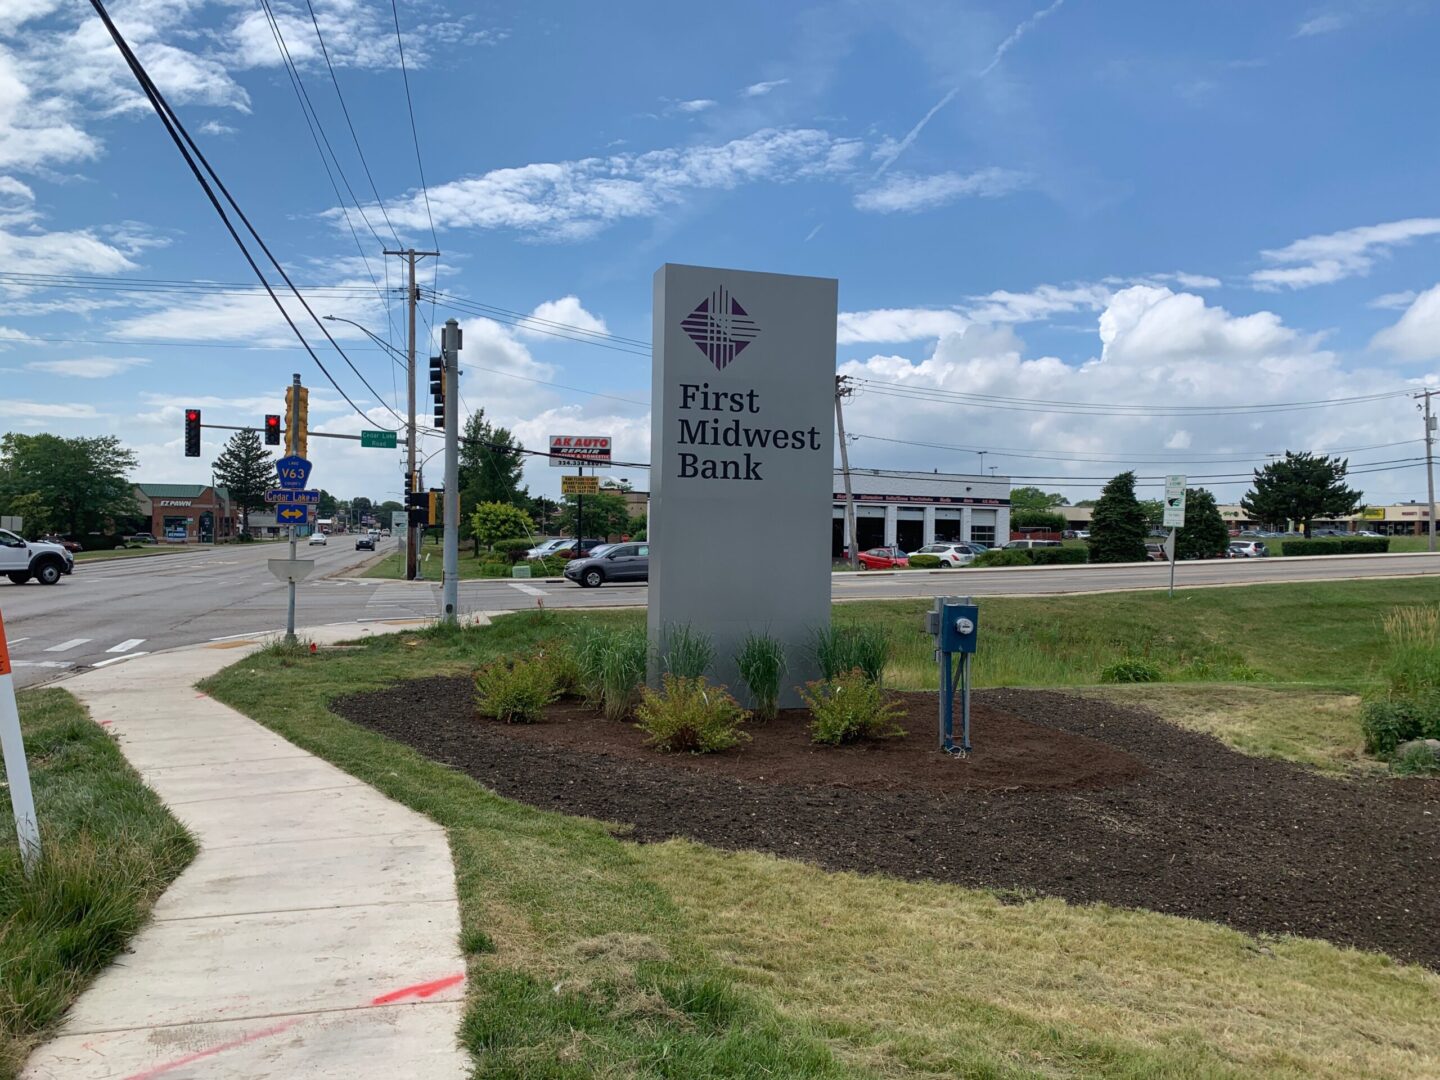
(126, 646)
(43, 663)
(17, 640)
(117, 659)
(528, 590)
(64, 646)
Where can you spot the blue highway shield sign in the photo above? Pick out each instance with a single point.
(293, 472)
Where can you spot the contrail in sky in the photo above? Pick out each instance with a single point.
(1019, 32)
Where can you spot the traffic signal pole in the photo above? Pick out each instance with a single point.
(292, 439)
(412, 298)
(450, 355)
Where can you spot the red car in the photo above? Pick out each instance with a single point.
(883, 558)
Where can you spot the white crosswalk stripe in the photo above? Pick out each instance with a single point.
(66, 646)
(127, 645)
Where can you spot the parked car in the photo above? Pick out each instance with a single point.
(1026, 545)
(69, 545)
(1247, 549)
(616, 562)
(572, 550)
(1155, 552)
(1366, 533)
(549, 547)
(364, 543)
(318, 538)
(883, 558)
(956, 554)
(140, 538)
(20, 560)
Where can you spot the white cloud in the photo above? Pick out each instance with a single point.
(575, 200)
(61, 252)
(1042, 302)
(996, 308)
(252, 317)
(96, 367)
(1416, 336)
(760, 89)
(356, 35)
(904, 193)
(568, 311)
(43, 410)
(898, 324)
(1393, 301)
(1326, 23)
(1330, 257)
(214, 127)
(696, 105)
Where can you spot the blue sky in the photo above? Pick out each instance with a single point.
(1126, 205)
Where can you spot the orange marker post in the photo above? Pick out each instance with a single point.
(17, 769)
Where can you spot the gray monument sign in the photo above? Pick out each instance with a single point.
(741, 451)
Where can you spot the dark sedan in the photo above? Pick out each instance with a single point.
(618, 562)
(364, 543)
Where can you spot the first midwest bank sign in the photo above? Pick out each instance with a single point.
(742, 442)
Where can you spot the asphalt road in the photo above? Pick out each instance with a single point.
(109, 611)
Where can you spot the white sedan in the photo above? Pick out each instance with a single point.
(949, 554)
(318, 538)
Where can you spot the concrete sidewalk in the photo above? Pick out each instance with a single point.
(316, 935)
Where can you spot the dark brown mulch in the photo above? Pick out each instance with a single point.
(1195, 829)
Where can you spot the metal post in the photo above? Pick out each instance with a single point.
(580, 517)
(965, 702)
(1430, 462)
(852, 546)
(450, 357)
(1171, 560)
(294, 424)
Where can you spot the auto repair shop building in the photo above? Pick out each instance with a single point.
(911, 509)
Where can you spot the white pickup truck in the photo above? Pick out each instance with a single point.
(20, 560)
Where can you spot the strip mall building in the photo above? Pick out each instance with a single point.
(911, 509)
(188, 513)
(1396, 519)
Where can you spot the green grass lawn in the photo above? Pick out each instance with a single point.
(110, 849)
(431, 556)
(591, 956)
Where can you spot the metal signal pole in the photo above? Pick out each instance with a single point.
(1430, 460)
(843, 389)
(293, 431)
(412, 298)
(450, 357)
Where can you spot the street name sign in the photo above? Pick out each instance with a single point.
(579, 485)
(280, 495)
(568, 451)
(293, 471)
(1174, 502)
(291, 570)
(292, 513)
(742, 430)
(380, 440)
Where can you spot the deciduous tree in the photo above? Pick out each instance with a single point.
(77, 485)
(1032, 498)
(494, 521)
(1118, 527)
(604, 515)
(1300, 488)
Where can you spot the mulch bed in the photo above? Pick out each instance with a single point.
(1065, 796)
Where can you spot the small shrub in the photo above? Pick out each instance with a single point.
(685, 652)
(1001, 557)
(840, 648)
(516, 691)
(512, 550)
(548, 567)
(1412, 664)
(925, 562)
(1060, 556)
(689, 715)
(621, 670)
(1245, 673)
(1416, 761)
(1337, 545)
(849, 707)
(1133, 669)
(1388, 722)
(762, 665)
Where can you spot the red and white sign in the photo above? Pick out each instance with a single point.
(569, 451)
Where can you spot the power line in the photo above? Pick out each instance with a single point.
(537, 321)
(186, 145)
(414, 132)
(524, 321)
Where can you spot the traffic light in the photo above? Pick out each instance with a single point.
(417, 503)
(437, 388)
(192, 432)
(434, 506)
(272, 429)
(297, 434)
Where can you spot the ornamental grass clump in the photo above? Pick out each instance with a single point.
(516, 690)
(621, 670)
(762, 665)
(849, 707)
(586, 645)
(685, 652)
(842, 648)
(690, 715)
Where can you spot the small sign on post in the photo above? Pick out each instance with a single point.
(579, 485)
(1174, 502)
(17, 769)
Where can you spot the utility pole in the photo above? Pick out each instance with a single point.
(450, 358)
(1429, 461)
(412, 298)
(844, 389)
(293, 432)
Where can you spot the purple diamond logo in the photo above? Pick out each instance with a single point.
(720, 328)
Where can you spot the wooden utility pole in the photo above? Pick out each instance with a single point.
(412, 298)
(844, 389)
(1429, 461)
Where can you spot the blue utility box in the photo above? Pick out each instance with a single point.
(959, 627)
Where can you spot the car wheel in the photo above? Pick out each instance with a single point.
(48, 573)
(592, 578)
(19, 577)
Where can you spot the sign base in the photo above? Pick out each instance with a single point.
(291, 570)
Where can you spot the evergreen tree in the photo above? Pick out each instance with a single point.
(1204, 535)
(1118, 528)
(1300, 488)
(246, 469)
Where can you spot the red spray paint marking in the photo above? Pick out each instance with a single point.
(104, 722)
(181, 1062)
(420, 990)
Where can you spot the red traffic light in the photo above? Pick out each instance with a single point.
(192, 415)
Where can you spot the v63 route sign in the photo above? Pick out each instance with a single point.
(293, 471)
(568, 451)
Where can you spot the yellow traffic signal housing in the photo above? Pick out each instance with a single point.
(432, 510)
(297, 434)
